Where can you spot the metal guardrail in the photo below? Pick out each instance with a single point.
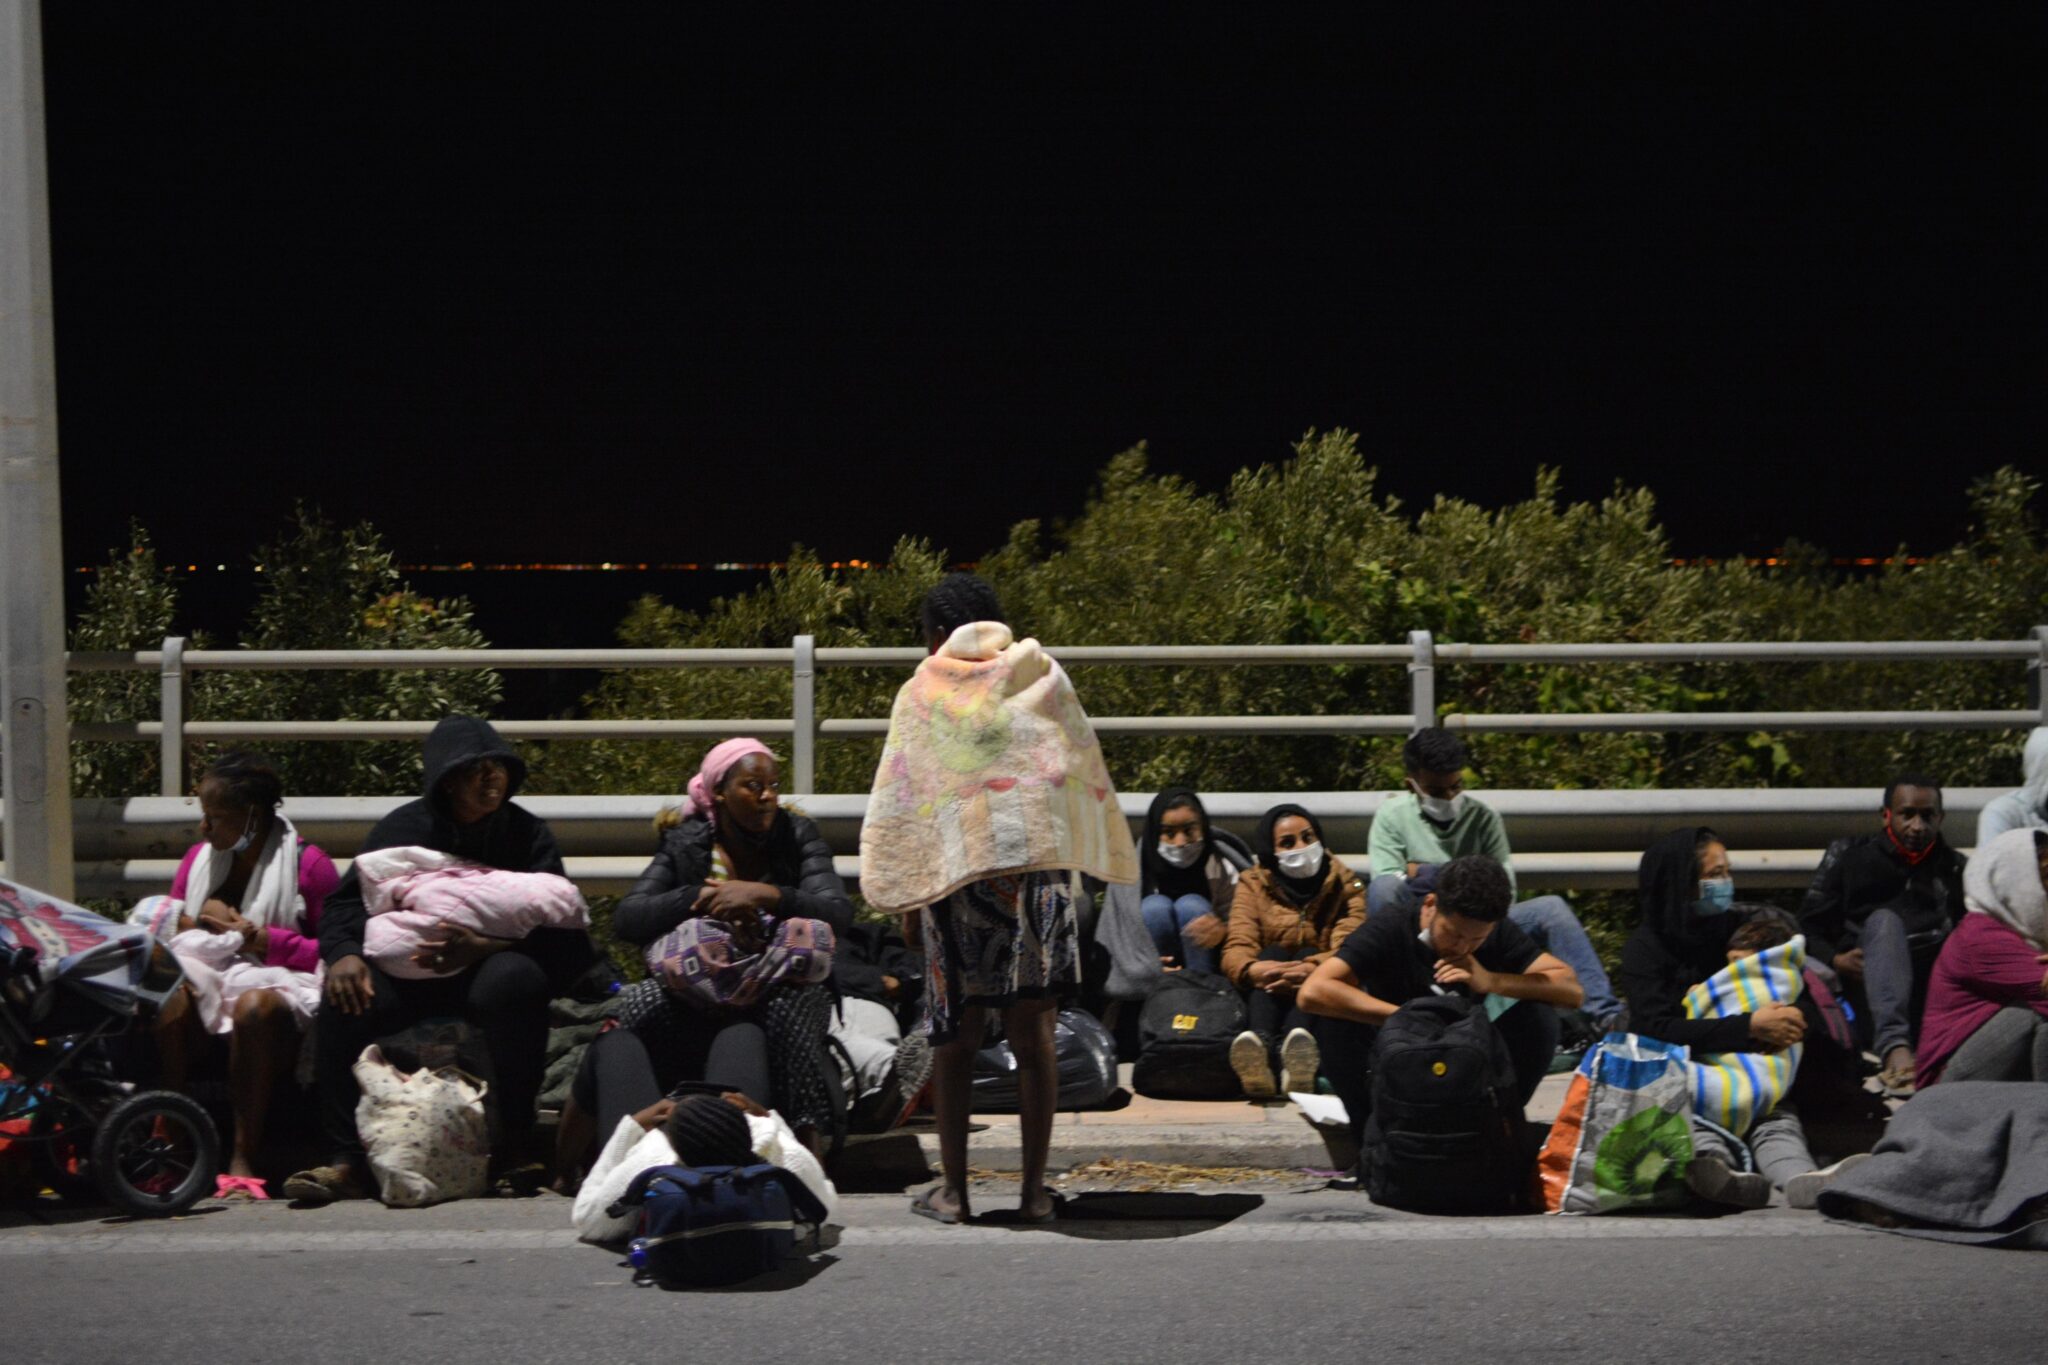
(1422, 656)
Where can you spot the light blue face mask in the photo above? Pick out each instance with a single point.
(1717, 896)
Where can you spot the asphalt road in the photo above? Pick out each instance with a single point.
(1219, 1275)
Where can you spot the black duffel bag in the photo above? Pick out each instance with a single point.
(1185, 1028)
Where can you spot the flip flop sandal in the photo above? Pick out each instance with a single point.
(923, 1207)
(322, 1185)
(1051, 1215)
(239, 1189)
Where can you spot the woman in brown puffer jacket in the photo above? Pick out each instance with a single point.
(1290, 913)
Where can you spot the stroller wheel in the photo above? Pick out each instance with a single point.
(61, 1139)
(156, 1154)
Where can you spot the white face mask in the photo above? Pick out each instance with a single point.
(1305, 861)
(248, 834)
(1441, 809)
(1180, 855)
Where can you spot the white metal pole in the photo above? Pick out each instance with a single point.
(35, 766)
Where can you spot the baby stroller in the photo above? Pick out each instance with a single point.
(71, 981)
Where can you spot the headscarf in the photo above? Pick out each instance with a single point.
(2033, 792)
(1294, 890)
(1159, 875)
(720, 761)
(1667, 884)
(2004, 882)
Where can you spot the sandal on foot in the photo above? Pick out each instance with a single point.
(923, 1207)
(239, 1188)
(1898, 1080)
(323, 1185)
(1051, 1215)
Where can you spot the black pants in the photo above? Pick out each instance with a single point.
(506, 996)
(1273, 1017)
(619, 1077)
(1529, 1030)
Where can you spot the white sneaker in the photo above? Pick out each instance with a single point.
(1300, 1060)
(1254, 1071)
(1803, 1191)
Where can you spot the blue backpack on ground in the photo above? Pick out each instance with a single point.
(713, 1225)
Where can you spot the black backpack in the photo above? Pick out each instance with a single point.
(1087, 1064)
(1185, 1028)
(1445, 1132)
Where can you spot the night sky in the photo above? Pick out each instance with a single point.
(603, 285)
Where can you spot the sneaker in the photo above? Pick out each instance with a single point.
(1803, 1191)
(1715, 1181)
(1248, 1059)
(1300, 1060)
(324, 1185)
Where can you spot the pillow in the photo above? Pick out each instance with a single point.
(1735, 1089)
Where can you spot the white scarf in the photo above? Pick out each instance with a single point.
(273, 894)
(2003, 880)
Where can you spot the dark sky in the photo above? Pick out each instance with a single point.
(601, 285)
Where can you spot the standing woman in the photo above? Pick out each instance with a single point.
(735, 854)
(991, 796)
(251, 877)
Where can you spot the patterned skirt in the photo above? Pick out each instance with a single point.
(997, 941)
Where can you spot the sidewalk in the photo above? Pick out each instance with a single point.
(1273, 1135)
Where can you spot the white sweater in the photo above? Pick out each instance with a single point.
(633, 1149)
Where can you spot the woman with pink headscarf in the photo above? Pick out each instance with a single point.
(730, 852)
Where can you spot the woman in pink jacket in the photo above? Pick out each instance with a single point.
(253, 879)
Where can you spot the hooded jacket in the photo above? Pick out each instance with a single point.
(1868, 872)
(511, 838)
(2026, 808)
(1674, 948)
(800, 867)
(1992, 960)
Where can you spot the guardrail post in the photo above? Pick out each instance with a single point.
(171, 711)
(2037, 673)
(1422, 678)
(803, 714)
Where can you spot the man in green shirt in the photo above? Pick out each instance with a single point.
(1434, 821)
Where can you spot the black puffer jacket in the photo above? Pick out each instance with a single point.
(799, 862)
(513, 839)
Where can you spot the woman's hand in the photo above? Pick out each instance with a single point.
(457, 950)
(1264, 973)
(739, 906)
(655, 1114)
(1777, 1026)
(348, 986)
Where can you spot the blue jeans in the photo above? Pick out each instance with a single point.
(1165, 917)
(1546, 919)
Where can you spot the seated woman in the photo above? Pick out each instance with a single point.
(250, 877)
(1288, 916)
(501, 985)
(2026, 808)
(1688, 922)
(1184, 881)
(733, 855)
(1987, 1005)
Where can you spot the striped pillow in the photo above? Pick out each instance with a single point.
(1735, 1089)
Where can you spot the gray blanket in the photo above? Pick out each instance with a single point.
(1964, 1161)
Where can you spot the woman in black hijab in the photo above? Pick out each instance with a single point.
(1179, 876)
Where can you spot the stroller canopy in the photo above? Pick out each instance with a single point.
(107, 962)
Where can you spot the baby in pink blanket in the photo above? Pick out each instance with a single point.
(412, 895)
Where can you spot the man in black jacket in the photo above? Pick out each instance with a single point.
(501, 985)
(1877, 912)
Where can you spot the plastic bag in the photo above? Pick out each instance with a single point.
(424, 1132)
(1623, 1139)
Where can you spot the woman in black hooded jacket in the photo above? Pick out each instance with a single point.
(737, 854)
(502, 985)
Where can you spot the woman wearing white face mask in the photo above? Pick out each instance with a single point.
(1183, 881)
(1289, 914)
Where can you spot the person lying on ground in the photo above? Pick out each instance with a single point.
(501, 985)
(1458, 941)
(253, 893)
(1878, 909)
(991, 796)
(1437, 820)
(695, 1130)
(734, 854)
(1987, 1004)
(1288, 916)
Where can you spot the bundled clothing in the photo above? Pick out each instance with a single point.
(991, 767)
(2026, 808)
(506, 995)
(770, 1051)
(1989, 969)
(413, 894)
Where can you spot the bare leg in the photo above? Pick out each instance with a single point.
(1028, 1025)
(180, 1034)
(261, 1050)
(952, 1097)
